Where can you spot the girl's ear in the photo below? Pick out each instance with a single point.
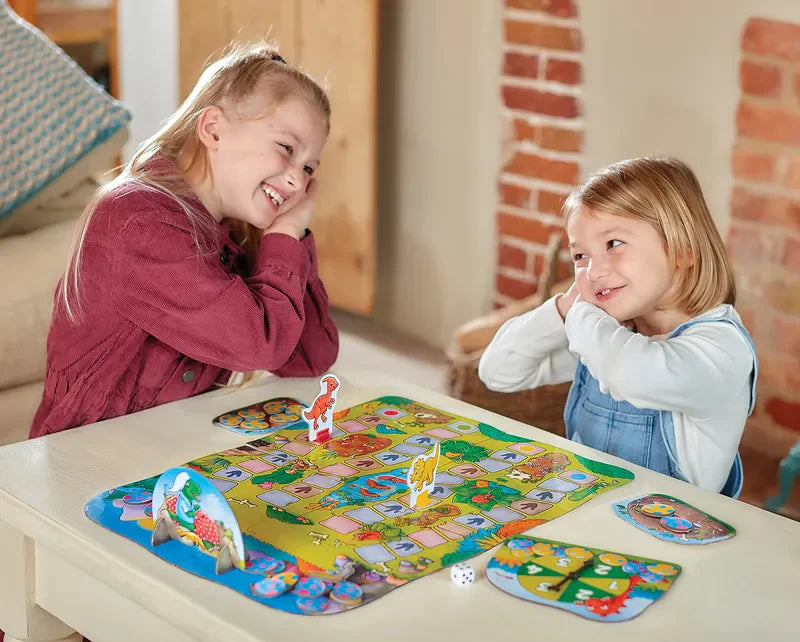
(685, 259)
(210, 125)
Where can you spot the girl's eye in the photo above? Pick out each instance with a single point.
(289, 149)
(578, 256)
(614, 243)
(308, 170)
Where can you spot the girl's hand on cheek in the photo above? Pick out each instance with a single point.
(564, 301)
(297, 218)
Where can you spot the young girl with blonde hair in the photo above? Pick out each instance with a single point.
(663, 370)
(196, 260)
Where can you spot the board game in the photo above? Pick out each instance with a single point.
(326, 527)
(593, 583)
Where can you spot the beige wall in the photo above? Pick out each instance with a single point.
(662, 77)
(439, 141)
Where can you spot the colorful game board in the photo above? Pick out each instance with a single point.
(596, 584)
(673, 520)
(327, 527)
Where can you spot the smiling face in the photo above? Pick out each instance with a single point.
(621, 266)
(260, 166)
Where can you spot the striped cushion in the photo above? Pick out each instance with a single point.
(51, 112)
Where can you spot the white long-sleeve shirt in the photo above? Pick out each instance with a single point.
(702, 376)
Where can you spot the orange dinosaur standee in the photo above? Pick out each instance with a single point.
(317, 417)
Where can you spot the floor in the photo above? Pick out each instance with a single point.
(409, 358)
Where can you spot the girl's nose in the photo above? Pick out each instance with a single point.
(597, 269)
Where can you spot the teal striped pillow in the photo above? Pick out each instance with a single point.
(51, 113)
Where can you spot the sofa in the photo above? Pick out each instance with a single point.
(59, 133)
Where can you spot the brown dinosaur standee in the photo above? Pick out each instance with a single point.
(317, 416)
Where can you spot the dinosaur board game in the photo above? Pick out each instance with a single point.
(319, 528)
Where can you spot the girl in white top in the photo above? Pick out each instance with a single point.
(663, 370)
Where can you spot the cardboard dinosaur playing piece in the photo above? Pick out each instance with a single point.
(190, 509)
(421, 476)
(319, 416)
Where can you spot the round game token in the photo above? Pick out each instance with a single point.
(254, 424)
(612, 559)
(676, 524)
(518, 544)
(665, 570)
(649, 576)
(272, 407)
(312, 604)
(269, 587)
(230, 419)
(266, 565)
(541, 548)
(251, 413)
(346, 593)
(287, 577)
(578, 553)
(661, 510)
(311, 587)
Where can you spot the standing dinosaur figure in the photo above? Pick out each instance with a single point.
(317, 416)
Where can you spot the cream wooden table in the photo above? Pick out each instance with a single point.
(59, 567)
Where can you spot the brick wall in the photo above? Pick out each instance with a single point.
(544, 134)
(764, 234)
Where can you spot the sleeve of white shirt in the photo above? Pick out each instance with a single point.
(528, 351)
(693, 373)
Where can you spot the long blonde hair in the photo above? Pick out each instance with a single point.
(665, 193)
(242, 70)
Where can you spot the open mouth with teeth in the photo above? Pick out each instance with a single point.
(275, 197)
(607, 293)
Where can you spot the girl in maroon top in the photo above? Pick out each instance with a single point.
(196, 261)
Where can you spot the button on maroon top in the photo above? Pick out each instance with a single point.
(164, 317)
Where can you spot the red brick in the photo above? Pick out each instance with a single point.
(778, 371)
(540, 35)
(514, 288)
(772, 38)
(516, 64)
(744, 246)
(515, 195)
(797, 86)
(765, 208)
(563, 140)
(793, 174)
(540, 102)
(753, 166)
(550, 202)
(513, 257)
(527, 229)
(567, 72)
(791, 257)
(560, 8)
(759, 79)
(537, 167)
(786, 336)
(784, 412)
(524, 131)
(768, 123)
(785, 296)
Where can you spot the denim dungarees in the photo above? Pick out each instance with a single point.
(639, 435)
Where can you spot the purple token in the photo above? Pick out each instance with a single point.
(519, 544)
(346, 593)
(312, 604)
(265, 565)
(311, 587)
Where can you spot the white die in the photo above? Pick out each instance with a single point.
(462, 574)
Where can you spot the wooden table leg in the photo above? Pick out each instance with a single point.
(20, 617)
